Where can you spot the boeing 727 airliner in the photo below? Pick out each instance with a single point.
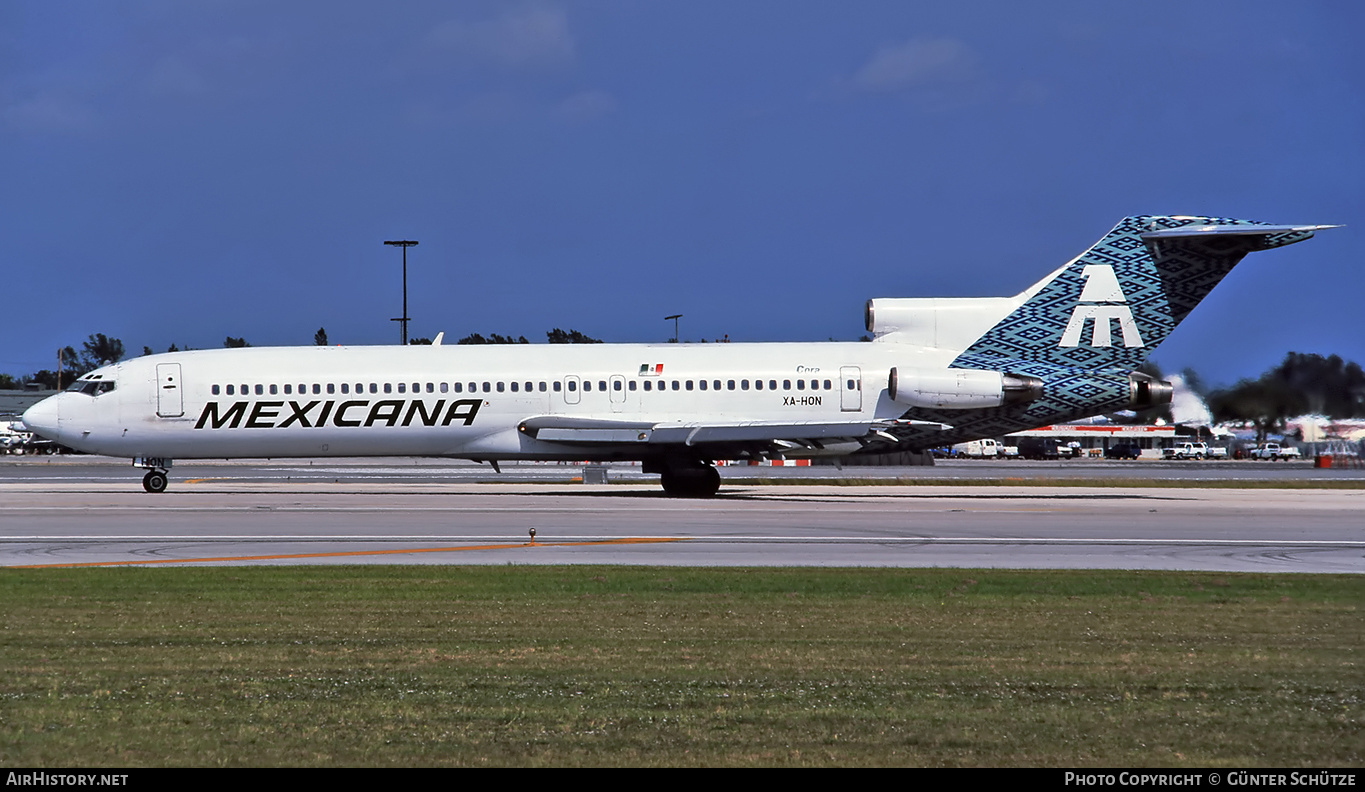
(938, 371)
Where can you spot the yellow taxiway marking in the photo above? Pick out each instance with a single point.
(221, 559)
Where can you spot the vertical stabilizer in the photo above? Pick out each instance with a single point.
(1110, 307)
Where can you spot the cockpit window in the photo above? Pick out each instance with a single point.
(91, 387)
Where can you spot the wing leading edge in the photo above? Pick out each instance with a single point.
(594, 431)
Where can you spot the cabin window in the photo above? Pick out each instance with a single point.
(743, 384)
(676, 385)
(758, 384)
(374, 387)
(556, 386)
(515, 387)
(800, 384)
(445, 387)
(432, 388)
(616, 385)
(715, 384)
(416, 387)
(459, 387)
(488, 387)
(214, 389)
(573, 386)
(331, 388)
(500, 387)
(702, 384)
(632, 385)
(402, 387)
(288, 389)
(772, 384)
(828, 385)
(688, 385)
(729, 384)
(850, 384)
(542, 386)
(345, 387)
(587, 385)
(786, 384)
(388, 387)
(647, 386)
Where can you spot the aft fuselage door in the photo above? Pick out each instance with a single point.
(170, 401)
(617, 392)
(571, 392)
(851, 388)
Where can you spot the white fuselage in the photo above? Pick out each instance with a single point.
(461, 401)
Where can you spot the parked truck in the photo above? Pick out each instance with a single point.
(1186, 451)
(1274, 451)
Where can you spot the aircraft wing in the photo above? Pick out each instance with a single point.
(779, 434)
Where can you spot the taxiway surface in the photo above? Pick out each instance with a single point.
(93, 512)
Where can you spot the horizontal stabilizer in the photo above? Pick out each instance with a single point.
(1235, 230)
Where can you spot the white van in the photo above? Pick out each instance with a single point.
(978, 449)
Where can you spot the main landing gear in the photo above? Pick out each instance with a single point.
(154, 481)
(687, 480)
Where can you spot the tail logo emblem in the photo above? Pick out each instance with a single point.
(1102, 301)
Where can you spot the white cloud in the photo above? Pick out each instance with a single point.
(534, 38)
(171, 77)
(586, 106)
(916, 63)
(49, 112)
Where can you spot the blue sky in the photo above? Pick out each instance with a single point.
(179, 172)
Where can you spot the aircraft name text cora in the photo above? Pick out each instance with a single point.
(358, 412)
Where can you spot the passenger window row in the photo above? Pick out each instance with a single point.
(346, 388)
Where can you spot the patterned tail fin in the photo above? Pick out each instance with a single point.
(1112, 305)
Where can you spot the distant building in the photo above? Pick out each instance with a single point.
(1098, 437)
(14, 402)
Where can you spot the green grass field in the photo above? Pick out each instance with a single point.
(519, 665)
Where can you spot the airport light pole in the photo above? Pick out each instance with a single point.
(675, 318)
(403, 320)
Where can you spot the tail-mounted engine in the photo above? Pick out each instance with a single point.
(961, 389)
(1146, 391)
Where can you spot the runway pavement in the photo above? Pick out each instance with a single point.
(88, 510)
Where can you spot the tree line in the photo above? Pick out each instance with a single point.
(1301, 384)
(101, 350)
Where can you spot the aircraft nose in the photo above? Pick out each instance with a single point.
(41, 418)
